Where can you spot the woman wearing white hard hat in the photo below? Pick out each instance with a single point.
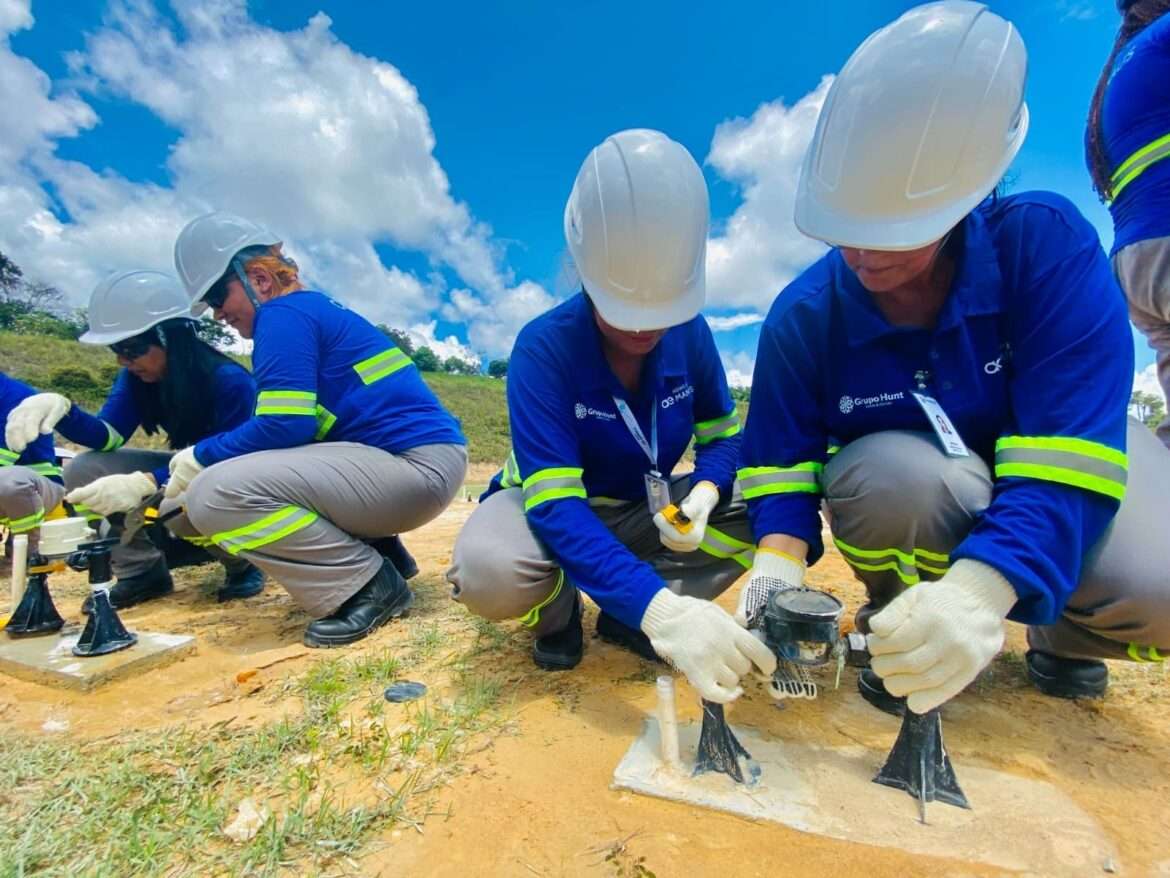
(605, 392)
(171, 382)
(1127, 143)
(347, 447)
(970, 355)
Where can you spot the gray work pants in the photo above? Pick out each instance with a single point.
(898, 506)
(25, 497)
(500, 570)
(1143, 270)
(300, 514)
(139, 555)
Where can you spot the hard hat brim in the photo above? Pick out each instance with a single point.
(621, 314)
(107, 338)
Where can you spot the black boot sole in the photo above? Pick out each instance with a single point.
(556, 661)
(224, 595)
(395, 610)
(880, 698)
(619, 635)
(1058, 687)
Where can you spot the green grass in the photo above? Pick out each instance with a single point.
(85, 374)
(150, 803)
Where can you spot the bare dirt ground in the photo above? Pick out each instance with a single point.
(532, 796)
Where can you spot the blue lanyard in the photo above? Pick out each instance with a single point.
(651, 447)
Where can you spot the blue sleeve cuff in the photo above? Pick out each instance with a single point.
(794, 515)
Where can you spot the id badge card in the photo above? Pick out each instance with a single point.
(952, 442)
(657, 492)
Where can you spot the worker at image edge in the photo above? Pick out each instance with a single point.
(170, 382)
(993, 320)
(30, 479)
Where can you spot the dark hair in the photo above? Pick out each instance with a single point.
(183, 403)
(1136, 19)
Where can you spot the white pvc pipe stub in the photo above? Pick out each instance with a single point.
(668, 723)
(19, 569)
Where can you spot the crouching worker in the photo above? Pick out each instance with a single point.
(347, 447)
(30, 479)
(172, 382)
(996, 322)
(604, 394)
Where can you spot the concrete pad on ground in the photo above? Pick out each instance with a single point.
(51, 662)
(1015, 822)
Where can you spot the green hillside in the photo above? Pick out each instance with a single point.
(85, 373)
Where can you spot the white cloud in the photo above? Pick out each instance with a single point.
(334, 151)
(423, 334)
(1146, 381)
(739, 368)
(1076, 10)
(759, 249)
(733, 321)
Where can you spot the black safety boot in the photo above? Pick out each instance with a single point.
(394, 551)
(612, 631)
(1067, 677)
(378, 601)
(873, 690)
(130, 590)
(561, 650)
(243, 582)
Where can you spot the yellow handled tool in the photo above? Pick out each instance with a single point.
(678, 519)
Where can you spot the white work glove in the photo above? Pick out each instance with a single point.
(35, 415)
(697, 507)
(184, 468)
(774, 571)
(120, 492)
(703, 641)
(933, 639)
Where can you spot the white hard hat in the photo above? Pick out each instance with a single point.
(917, 129)
(636, 226)
(205, 248)
(129, 302)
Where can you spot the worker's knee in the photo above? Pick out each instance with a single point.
(198, 501)
(495, 577)
(898, 482)
(85, 468)
(17, 481)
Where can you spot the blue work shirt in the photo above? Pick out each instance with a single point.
(1135, 115)
(1031, 358)
(235, 396)
(325, 374)
(39, 455)
(571, 447)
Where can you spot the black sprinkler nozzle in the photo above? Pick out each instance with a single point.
(719, 749)
(36, 614)
(918, 763)
(104, 632)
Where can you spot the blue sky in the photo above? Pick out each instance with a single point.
(417, 157)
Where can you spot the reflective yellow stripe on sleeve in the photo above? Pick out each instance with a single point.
(287, 402)
(717, 428)
(759, 481)
(1134, 166)
(555, 483)
(114, 439)
(510, 478)
(325, 421)
(382, 365)
(1079, 463)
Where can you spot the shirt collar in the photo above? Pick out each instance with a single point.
(975, 290)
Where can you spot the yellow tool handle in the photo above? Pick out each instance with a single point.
(676, 517)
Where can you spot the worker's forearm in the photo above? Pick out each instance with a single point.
(797, 548)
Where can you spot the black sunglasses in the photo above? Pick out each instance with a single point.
(217, 295)
(134, 347)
